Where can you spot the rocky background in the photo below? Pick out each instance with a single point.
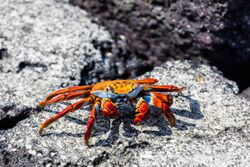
(49, 44)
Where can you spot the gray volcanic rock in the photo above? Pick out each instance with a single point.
(45, 45)
(212, 129)
(155, 31)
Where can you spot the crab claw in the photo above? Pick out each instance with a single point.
(42, 104)
(109, 109)
(142, 110)
(181, 89)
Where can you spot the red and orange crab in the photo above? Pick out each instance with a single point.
(105, 96)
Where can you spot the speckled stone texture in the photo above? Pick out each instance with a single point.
(212, 129)
(45, 45)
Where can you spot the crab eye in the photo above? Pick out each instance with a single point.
(135, 86)
(110, 89)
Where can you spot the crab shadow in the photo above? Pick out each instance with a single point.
(124, 123)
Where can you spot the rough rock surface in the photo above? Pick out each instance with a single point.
(45, 45)
(213, 129)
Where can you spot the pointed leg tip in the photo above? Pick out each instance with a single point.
(172, 123)
(137, 122)
(87, 138)
(181, 89)
(86, 141)
(42, 104)
(154, 79)
(41, 130)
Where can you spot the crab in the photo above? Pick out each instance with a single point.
(106, 95)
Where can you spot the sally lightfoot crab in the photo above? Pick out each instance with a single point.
(105, 96)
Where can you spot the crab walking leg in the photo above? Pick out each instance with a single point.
(109, 108)
(91, 121)
(142, 110)
(165, 88)
(68, 90)
(169, 114)
(68, 109)
(147, 81)
(65, 96)
(163, 103)
(163, 97)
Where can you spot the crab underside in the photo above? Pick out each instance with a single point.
(105, 96)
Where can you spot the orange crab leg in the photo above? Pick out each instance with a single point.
(142, 110)
(163, 97)
(161, 102)
(169, 114)
(68, 109)
(109, 108)
(65, 96)
(91, 121)
(68, 90)
(147, 81)
(164, 88)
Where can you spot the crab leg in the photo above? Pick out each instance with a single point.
(67, 90)
(65, 96)
(158, 100)
(68, 109)
(142, 110)
(163, 97)
(147, 81)
(91, 121)
(109, 108)
(164, 88)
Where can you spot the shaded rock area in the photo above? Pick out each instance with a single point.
(10, 114)
(232, 54)
(212, 129)
(213, 32)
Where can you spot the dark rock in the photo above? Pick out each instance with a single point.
(246, 93)
(10, 115)
(232, 52)
(19, 157)
(156, 31)
(215, 32)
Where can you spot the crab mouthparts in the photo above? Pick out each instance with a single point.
(121, 98)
